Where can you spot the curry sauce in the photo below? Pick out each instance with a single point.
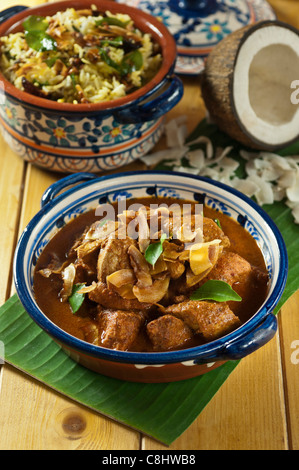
(173, 322)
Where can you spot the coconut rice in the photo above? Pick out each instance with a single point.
(83, 56)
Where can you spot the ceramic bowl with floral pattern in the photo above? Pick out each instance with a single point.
(78, 193)
(68, 138)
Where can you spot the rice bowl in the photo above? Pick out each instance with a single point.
(67, 131)
(79, 56)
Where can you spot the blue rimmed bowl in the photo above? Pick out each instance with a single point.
(83, 192)
(71, 138)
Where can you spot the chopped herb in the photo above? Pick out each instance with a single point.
(154, 250)
(76, 299)
(131, 62)
(106, 58)
(116, 42)
(51, 61)
(74, 79)
(35, 34)
(36, 23)
(112, 21)
(217, 221)
(219, 291)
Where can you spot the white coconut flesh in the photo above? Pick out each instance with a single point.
(267, 63)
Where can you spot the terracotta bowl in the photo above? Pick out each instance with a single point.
(83, 192)
(89, 137)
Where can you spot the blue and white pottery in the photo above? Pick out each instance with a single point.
(98, 137)
(83, 192)
(198, 25)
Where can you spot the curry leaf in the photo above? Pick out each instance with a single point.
(154, 250)
(35, 34)
(35, 23)
(106, 58)
(40, 41)
(76, 299)
(217, 221)
(219, 291)
(116, 42)
(112, 21)
(132, 62)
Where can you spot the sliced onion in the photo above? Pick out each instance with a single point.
(203, 256)
(100, 230)
(175, 269)
(154, 293)
(121, 277)
(160, 266)
(171, 251)
(68, 277)
(140, 267)
(87, 248)
(87, 289)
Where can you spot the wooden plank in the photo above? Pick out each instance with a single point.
(11, 178)
(45, 428)
(286, 10)
(45, 420)
(289, 327)
(247, 413)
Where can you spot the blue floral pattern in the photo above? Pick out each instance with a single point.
(198, 33)
(216, 30)
(75, 143)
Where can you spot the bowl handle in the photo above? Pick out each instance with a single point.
(9, 12)
(157, 107)
(64, 183)
(248, 344)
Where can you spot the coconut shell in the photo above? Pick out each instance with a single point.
(216, 82)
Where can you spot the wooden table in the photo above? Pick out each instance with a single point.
(256, 408)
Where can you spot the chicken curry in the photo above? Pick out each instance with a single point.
(165, 289)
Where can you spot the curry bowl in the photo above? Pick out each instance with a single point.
(88, 136)
(80, 193)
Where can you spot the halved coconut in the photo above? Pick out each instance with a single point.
(246, 85)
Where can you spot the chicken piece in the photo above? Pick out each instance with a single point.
(212, 231)
(119, 328)
(210, 319)
(114, 256)
(168, 332)
(230, 268)
(91, 333)
(110, 299)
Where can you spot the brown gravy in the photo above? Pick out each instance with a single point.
(47, 289)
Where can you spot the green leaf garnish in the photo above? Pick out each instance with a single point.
(112, 21)
(154, 250)
(219, 291)
(35, 34)
(76, 299)
(74, 79)
(106, 58)
(115, 42)
(132, 62)
(217, 221)
(35, 23)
